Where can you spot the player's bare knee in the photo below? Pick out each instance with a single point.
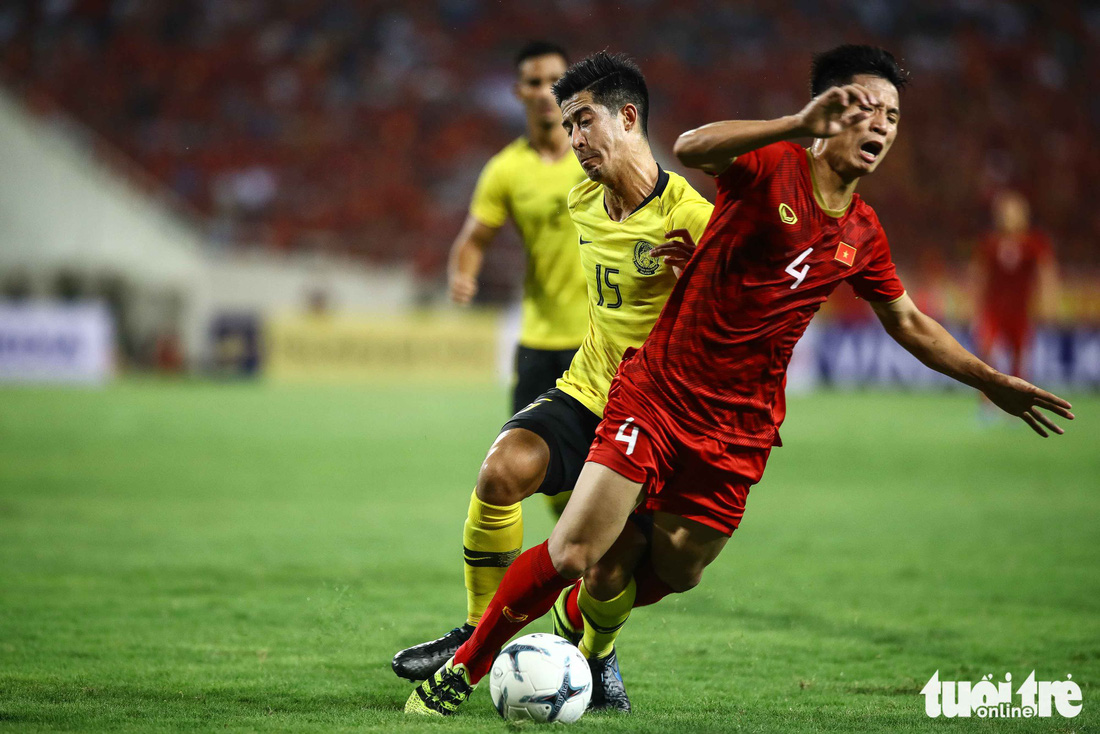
(571, 559)
(569, 563)
(514, 468)
(685, 580)
(679, 577)
(496, 486)
(688, 580)
(608, 577)
(606, 580)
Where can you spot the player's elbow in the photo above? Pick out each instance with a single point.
(682, 147)
(912, 332)
(901, 319)
(911, 325)
(689, 149)
(901, 331)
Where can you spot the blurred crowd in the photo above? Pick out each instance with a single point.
(359, 126)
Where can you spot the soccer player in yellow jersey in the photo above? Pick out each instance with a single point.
(636, 224)
(528, 182)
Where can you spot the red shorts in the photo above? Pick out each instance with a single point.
(682, 473)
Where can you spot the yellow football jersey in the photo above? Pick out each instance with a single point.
(626, 287)
(516, 182)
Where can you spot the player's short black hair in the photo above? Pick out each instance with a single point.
(532, 49)
(841, 64)
(614, 81)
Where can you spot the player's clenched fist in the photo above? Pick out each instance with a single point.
(463, 288)
(837, 109)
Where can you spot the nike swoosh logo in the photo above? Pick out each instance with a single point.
(584, 241)
(489, 560)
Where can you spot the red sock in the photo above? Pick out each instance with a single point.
(572, 610)
(650, 587)
(528, 590)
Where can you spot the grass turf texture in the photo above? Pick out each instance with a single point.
(197, 556)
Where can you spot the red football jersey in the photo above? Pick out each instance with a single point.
(771, 255)
(1011, 267)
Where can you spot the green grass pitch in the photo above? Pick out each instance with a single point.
(248, 557)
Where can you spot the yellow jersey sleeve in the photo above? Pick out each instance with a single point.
(692, 212)
(490, 201)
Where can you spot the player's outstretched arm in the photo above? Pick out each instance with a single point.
(467, 254)
(713, 147)
(929, 342)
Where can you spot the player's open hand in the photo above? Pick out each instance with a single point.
(462, 288)
(676, 251)
(837, 109)
(1020, 398)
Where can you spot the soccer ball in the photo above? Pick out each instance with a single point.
(541, 677)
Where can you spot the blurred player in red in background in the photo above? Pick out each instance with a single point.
(1015, 278)
(692, 416)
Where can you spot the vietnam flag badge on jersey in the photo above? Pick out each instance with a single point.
(845, 253)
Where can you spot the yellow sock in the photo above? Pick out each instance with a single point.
(603, 620)
(557, 502)
(491, 539)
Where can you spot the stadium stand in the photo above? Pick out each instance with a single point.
(358, 127)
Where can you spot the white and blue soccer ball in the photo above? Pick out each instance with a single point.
(542, 678)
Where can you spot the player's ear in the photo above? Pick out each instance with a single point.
(629, 114)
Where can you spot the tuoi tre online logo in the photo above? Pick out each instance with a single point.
(986, 699)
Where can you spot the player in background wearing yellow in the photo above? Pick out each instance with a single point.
(629, 216)
(528, 182)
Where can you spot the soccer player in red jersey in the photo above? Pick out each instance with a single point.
(1015, 272)
(693, 414)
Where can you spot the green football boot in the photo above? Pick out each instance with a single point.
(442, 693)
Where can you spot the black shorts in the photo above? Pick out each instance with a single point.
(537, 370)
(567, 427)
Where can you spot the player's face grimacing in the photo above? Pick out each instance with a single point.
(595, 133)
(858, 150)
(533, 87)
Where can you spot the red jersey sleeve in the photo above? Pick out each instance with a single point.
(749, 169)
(878, 281)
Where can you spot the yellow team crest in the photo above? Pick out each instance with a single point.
(786, 214)
(643, 261)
